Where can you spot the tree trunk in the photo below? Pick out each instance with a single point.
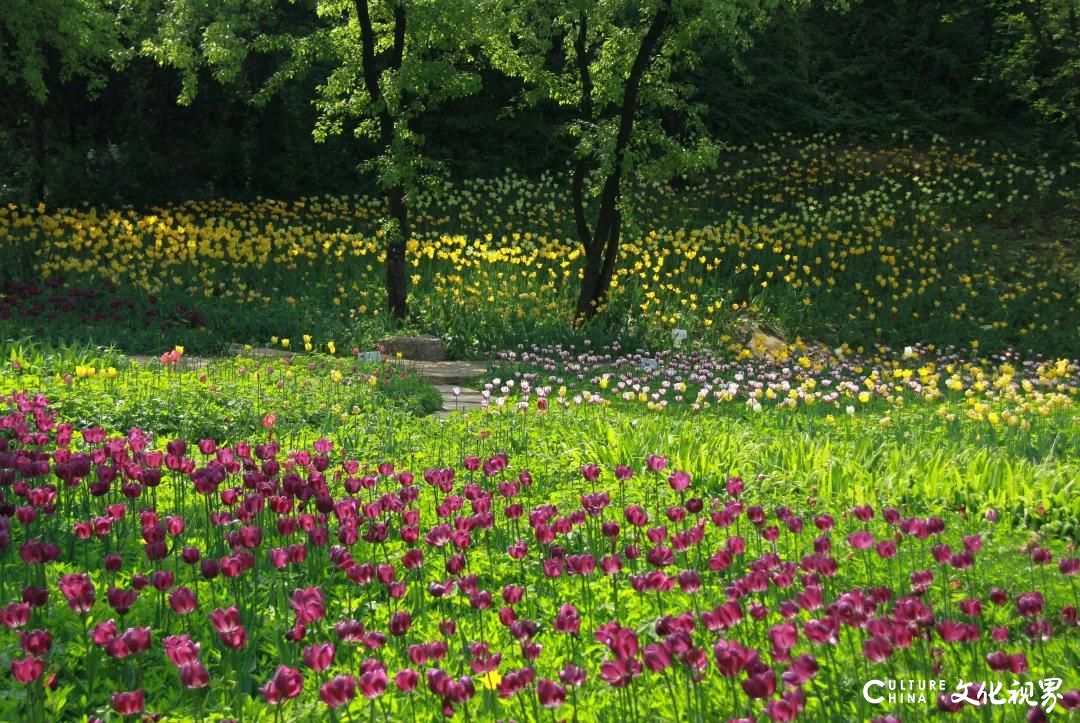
(396, 280)
(396, 286)
(40, 152)
(590, 279)
(602, 250)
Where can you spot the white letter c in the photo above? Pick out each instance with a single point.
(866, 692)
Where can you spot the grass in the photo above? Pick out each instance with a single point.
(224, 399)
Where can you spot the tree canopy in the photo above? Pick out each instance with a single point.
(623, 91)
(619, 67)
(377, 66)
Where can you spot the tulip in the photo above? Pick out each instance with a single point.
(182, 601)
(286, 684)
(550, 693)
(656, 657)
(877, 649)
(79, 591)
(760, 685)
(180, 649)
(406, 680)
(36, 642)
(308, 605)
(338, 691)
(194, 675)
(121, 600)
(372, 683)
(568, 620)
(26, 670)
(319, 656)
(1030, 604)
(131, 703)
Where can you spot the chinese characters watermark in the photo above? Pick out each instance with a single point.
(1043, 693)
(1018, 693)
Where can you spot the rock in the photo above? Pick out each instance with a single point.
(418, 348)
(763, 344)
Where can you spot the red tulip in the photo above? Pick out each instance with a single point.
(860, 540)
(400, 622)
(550, 693)
(194, 675)
(182, 601)
(103, 632)
(181, 650)
(372, 683)
(36, 642)
(783, 636)
(656, 657)
(131, 703)
(877, 649)
(1030, 604)
(406, 680)
(15, 615)
(121, 600)
(132, 642)
(568, 620)
(572, 675)
(760, 685)
(679, 481)
(319, 656)
(286, 684)
(338, 691)
(27, 670)
(227, 624)
(79, 591)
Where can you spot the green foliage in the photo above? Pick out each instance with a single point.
(321, 45)
(436, 67)
(225, 399)
(192, 35)
(596, 46)
(45, 42)
(1037, 52)
(250, 75)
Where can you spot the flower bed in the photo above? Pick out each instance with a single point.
(1000, 389)
(192, 580)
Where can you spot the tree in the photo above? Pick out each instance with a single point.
(47, 42)
(378, 66)
(1037, 52)
(616, 66)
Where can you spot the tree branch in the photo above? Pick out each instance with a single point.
(577, 185)
(610, 196)
(367, 42)
(398, 51)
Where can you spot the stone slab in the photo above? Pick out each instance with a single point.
(451, 373)
(419, 348)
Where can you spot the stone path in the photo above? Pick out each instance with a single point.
(465, 401)
(444, 375)
(450, 373)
